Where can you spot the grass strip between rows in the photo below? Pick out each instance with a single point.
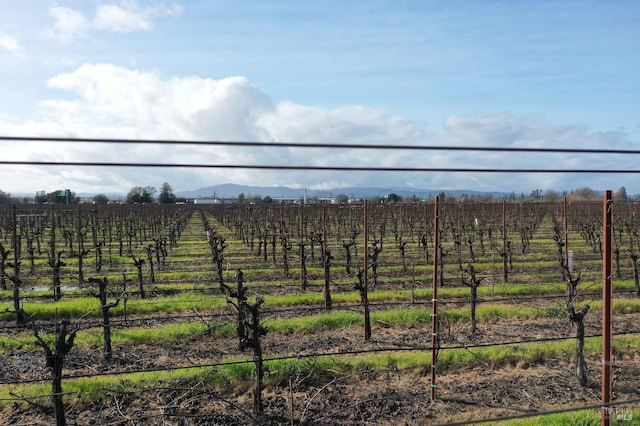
(74, 308)
(236, 372)
(313, 323)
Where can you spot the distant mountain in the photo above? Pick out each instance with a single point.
(230, 190)
(403, 192)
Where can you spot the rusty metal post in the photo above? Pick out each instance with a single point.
(434, 299)
(326, 259)
(53, 259)
(16, 280)
(505, 273)
(303, 277)
(565, 224)
(365, 276)
(607, 307)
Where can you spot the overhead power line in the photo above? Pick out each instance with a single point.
(314, 168)
(318, 145)
(308, 145)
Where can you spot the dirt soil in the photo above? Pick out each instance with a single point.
(366, 397)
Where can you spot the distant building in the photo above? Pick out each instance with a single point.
(286, 200)
(212, 201)
(329, 200)
(206, 201)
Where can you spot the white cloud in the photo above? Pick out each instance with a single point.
(112, 17)
(103, 100)
(69, 24)
(125, 16)
(129, 16)
(10, 44)
(129, 102)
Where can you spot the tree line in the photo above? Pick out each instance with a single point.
(166, 195)
(136, 195)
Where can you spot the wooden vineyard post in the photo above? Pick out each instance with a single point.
(434, 300)
(365, 294)
(607, 307)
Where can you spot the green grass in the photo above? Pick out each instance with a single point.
(140, 336)
(530, 352)
(622, 415)
(94, 388)
(579, 418)
(232, 373)
(90, 306)
(334, 320)
(73, 308)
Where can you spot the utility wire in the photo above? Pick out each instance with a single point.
(314, 168)
(328, 145)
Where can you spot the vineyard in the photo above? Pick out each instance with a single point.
(315, 314)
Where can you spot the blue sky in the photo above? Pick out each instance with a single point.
(456, 73)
